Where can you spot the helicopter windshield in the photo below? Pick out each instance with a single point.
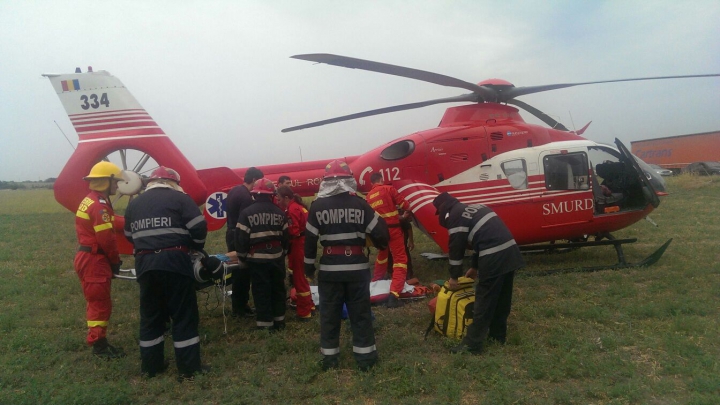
(657, 181)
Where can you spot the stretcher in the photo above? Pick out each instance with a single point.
(220, 268)
(379, 292)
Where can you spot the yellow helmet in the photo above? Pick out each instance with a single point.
(103, 170)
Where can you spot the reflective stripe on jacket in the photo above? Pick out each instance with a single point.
(94, 225)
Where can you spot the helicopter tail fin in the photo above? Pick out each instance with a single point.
(583, 129)
(108, 118)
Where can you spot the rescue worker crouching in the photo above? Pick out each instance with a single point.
(342, 222)
(262, 241)
(165, 225)
(494, 262)
(97, 258)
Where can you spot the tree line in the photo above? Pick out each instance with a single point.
(15, 185)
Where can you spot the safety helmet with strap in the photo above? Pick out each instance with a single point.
(104, 170)
(263, 186)
(337, 169)
(165, 173)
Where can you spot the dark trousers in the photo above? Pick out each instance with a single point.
(240, 290)
(165, 295)
(240, 280)
(356, 296)
(493, 299)
(268, 288)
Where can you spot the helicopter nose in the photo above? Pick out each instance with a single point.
(657, 181)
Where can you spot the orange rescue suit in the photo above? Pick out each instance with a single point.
(98, 250)
(297, 220)
(385, 200)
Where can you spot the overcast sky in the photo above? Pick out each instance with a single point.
(217, 77)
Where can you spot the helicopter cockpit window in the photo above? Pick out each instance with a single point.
(516, 173)
(568, 171)
(599, 154)
(398, 150)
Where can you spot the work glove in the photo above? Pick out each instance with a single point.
(310, 271)
(116, 268)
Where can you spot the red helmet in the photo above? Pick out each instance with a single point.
(165, 173)
(263, 186)
(337, 169)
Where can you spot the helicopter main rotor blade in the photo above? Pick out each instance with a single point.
(457, 99)
(486, 94)
(539, 114)
(505, 95)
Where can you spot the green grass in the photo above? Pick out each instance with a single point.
(638, 336)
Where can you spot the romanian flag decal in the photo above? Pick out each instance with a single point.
(70, 85)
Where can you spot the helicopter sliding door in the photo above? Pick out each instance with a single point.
(567, 199)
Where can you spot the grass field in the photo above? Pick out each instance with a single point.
(639, 336)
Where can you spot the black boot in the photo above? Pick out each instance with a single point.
(365, 365)
(191, 377)
(103, 350)
(162, 369)
(330, 362)
(497, 339)
(464, 348)
(277, 326)
(247, 311)
(394, 302)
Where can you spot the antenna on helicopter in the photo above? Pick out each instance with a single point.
(572, 121)
(61, 131)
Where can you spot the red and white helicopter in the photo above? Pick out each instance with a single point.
(544, 182)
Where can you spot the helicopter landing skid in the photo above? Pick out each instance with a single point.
(621, 264)
(554, 248)
(566, 247)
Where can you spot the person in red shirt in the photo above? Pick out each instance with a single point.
(97, 258)
(385, 200)
(297, 215)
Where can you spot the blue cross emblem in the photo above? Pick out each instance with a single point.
(215, 205)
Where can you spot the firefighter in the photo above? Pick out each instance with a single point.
(385, 200)
(97, 258)
(297, 215)
(238, 199)
(495, 259)
(342, 222)
(261, 241)
(165, 225)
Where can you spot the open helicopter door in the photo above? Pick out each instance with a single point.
(648, 190)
